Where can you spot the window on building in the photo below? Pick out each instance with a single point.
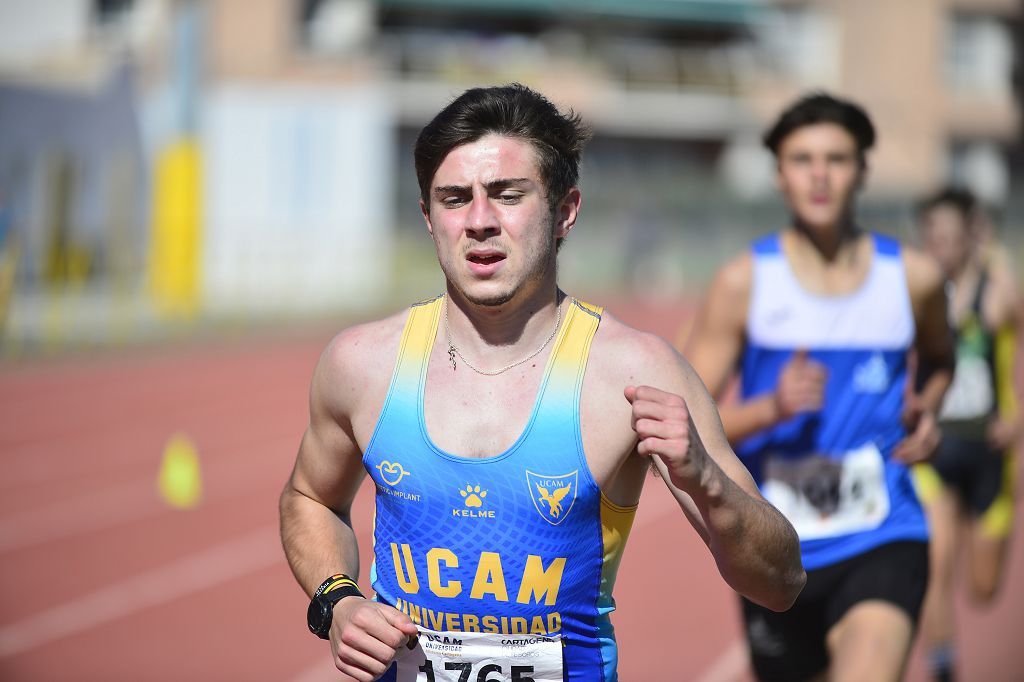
(333, 27)
(979, 54)
(112, 12)
(801, 43)
(982, 166)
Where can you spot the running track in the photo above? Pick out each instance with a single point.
(100, 580)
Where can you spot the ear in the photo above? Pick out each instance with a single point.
(425, 210)
(862, 174)
(567, 211)
(780, 182)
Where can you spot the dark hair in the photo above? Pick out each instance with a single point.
(514, 111)
(963, 200)
(819, 107)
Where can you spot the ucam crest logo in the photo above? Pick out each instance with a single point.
(392, 473)
(553, 496)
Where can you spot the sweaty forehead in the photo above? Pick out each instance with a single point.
(492, 157)
(819, 136)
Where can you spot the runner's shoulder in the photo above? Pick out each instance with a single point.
(1002, 302)
(735, 276)
(727, 304)
(630, 356)
(361, 352)
(924, 276)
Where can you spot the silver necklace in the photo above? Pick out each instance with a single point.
(453, 351)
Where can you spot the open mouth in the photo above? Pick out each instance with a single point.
(485, 259)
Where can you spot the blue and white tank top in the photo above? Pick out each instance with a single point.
(831, 471)
(522, 543)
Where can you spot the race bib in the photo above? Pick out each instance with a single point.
(825, 497)
(481, 657)
(971, 395)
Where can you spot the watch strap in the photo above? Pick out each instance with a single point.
(337, 584)
(321, 606)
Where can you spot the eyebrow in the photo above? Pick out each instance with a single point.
(500, 183)
(829, 153)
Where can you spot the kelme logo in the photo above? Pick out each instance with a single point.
(473, 496)
(473, 503)
(392, 473)
(553, 496)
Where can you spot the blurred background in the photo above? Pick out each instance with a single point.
(195, 195)
(170, 162)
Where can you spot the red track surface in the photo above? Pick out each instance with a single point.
(100, 580)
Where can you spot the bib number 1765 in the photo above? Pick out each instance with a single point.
(481, 657)
(490, 672)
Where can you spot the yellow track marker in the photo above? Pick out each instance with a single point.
(180, 482)
(176, 237)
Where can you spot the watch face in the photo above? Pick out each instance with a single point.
(321, 606)
(318, 617)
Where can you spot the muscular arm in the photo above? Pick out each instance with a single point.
(755, 548)
(935, 352)
(934, 342)
(316, 502)
(715, 345)
(714, 350)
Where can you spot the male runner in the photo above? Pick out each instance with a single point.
(509, 444)
(967, 487)
(819, 319)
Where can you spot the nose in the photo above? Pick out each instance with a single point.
(819, 170)
(481, 219)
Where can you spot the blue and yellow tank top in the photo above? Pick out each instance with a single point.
(831, 472)
(520, 543)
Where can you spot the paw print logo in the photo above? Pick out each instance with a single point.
(473, 495)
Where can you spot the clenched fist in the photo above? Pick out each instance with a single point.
(801, 386)
(365, 637)
(664, 428)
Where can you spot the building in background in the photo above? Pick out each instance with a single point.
(228, 159)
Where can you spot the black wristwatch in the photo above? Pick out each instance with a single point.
(321, 606)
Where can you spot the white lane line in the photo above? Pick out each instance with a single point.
(730, 666)
(323, 670)
(99, 509)
(224, 477)
(242, 555)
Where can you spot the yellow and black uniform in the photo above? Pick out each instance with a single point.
(982, 388)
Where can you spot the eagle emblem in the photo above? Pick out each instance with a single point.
(554, 500)
(553, 496)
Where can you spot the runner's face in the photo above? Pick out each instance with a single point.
(489, 216)
(819, 173)
(946, 238)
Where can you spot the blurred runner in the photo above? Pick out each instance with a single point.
(820, 319)
(967, 488)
